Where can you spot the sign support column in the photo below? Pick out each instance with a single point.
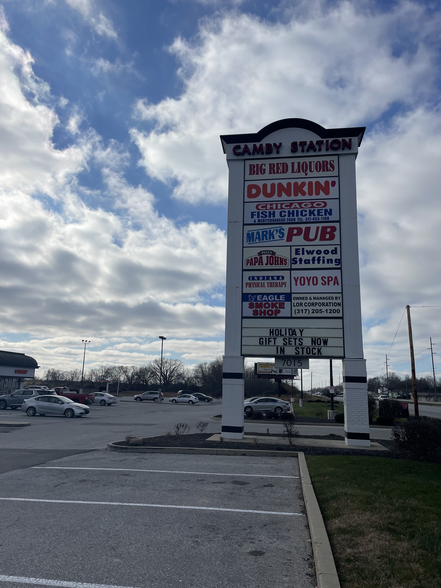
(233, 365)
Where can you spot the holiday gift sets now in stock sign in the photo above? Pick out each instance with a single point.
(292, 295)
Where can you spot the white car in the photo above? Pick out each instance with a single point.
(185, 399)
(104, 398)
(54, 405)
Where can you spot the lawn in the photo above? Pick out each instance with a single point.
(316, 409)
(383, 517)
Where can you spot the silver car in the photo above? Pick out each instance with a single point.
(266, 404)
(104, 398)
(154, 395)
(54, 405)
(185, 399)
(16, 399)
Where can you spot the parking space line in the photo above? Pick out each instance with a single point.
(140, 504)
(165, 472)
(43, 582)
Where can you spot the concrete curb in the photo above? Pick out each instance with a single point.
(200, 450)
(14, 424)
(325, 569)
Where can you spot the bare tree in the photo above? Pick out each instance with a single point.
(173, 372)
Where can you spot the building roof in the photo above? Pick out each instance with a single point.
(12, 359)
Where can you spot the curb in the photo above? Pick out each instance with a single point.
(200, 450)
(325, 569)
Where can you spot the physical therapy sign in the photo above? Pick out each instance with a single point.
(292, 264)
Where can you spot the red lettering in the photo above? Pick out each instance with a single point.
(327, 233)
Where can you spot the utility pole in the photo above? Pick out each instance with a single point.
(331, 384)
(387, 377)
(412, 364)
(433, 365)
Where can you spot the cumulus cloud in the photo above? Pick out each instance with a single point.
(338, 66)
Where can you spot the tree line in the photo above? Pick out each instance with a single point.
(205, 377)
(394, 383)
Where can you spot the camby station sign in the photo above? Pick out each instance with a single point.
(292, 254)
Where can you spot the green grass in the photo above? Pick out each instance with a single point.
(383, 517)
(316, 409)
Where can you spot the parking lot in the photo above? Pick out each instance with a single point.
(105, 519)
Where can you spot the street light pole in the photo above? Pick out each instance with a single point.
(85, 342)
(162, 352)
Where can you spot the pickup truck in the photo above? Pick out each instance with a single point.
(81, 397)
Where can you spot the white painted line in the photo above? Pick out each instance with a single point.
(164, 472)
(266, 512)
(43, 582)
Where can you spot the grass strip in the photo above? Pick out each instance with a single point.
(383, 518)
(317, 410)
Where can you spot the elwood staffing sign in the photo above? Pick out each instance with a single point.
(292, 256)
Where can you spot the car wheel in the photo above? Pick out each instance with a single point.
(138, 399)
(174, 400)
(69, 413)
(190, 402)
(103, 403)
(278, 410)
(3, 405)
(248, 411)
(155, 399)
(31, 411)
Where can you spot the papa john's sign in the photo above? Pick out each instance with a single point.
(292, 264)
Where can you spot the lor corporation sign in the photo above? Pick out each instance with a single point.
(289, 207)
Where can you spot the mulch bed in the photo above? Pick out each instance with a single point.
(201, 440)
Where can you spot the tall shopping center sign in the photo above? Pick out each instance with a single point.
(293, 288)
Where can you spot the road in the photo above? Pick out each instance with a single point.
(113, 423)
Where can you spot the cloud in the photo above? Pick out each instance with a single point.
(338, 66)
(102, 25)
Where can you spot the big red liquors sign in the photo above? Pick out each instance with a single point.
(289, 185)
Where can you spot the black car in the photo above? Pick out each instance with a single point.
(202, 397)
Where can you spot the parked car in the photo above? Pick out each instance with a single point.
(266, 404)
(37, 388)
(54, 405)
(104, 398)
(154, 395)
(383, 397)
(16, 399)
(185, 399)
(202, 397)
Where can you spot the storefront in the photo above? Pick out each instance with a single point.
(15, 368)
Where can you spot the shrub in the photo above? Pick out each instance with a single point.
(385, 420)
(393, 409)
(340, 417)
(419, 438)
(182, 428)
(201, 426)
(289, 432)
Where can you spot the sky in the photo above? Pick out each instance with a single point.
(114, 184)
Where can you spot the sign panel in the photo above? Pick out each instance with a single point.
(259, 305)
(315, 257)
(269, 369)
(316, 281)
(318, 338)
(322, 305)
(302, 235)
(301, 363)
(293, 167)
(274, 257)
(292, 212)
(303, 189)
(266, 281)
